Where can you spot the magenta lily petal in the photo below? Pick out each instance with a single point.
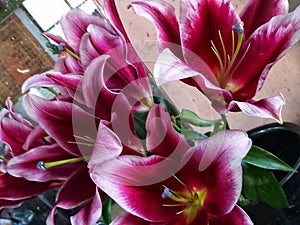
(169, 68)
(13, 188)
(162, 139)
(75, 24)
(268, 44)
(259, 12)
(57, 119)
(5, 204)
(112, 12)
(69, 197)
(125, 179)
(90, 213)
(105, 39)
(39, 80)
(87, 50)
(35, 138)
(14, 134)
(107, 146)
(25, 165)
(16, 116)
(220, 155)
(68, 81)
(162, 14)
(130, 219)
(97, 96)
(266, 108)
(195, 19)
(236, 217)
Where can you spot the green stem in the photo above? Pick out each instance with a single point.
(224, 119)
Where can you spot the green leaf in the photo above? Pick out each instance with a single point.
(264, 159)
(192, 118)
(191, 135)
(140, 124)
(106, 210)
(261, 184)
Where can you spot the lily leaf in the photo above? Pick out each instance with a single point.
(192, 118)
(266, 160)
(261, 184)
(140, 123)
(106, 211)
(191, 135)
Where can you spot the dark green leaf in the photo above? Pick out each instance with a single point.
(260, 184)
(106, 210)
(140, 124)
(264, 159)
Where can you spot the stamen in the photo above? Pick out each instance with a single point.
(43, 166)
(224, 49)
(72, 53)
(243, 56)
(214, 49)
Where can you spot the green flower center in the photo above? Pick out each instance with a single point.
(190, 199)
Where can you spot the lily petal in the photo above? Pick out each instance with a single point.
(127, 218)
(90, 213)
(169, 68)
(162, 139)
(121, 180)
(39, 80)
(13, 188)
(25, 165)
(14, 134)
(259, 12)
(236, 217)
(75, 24)
(200, 23)
(57, 119)
(219, 156)
(107, 146)
(268, 44)
(265, 108)
(162, 14)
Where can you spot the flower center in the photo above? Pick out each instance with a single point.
(190, 199)
(227, 65)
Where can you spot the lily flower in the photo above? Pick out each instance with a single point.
(78, 137)
(92, 38)
(225, 55)
(176, 184)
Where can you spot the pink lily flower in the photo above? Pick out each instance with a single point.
(202, 185)
(91, 38)
(19, 135)
(225, 55)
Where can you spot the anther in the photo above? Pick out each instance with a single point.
(166, 193)
(239, 27)
(61, 47)
(41, 166)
